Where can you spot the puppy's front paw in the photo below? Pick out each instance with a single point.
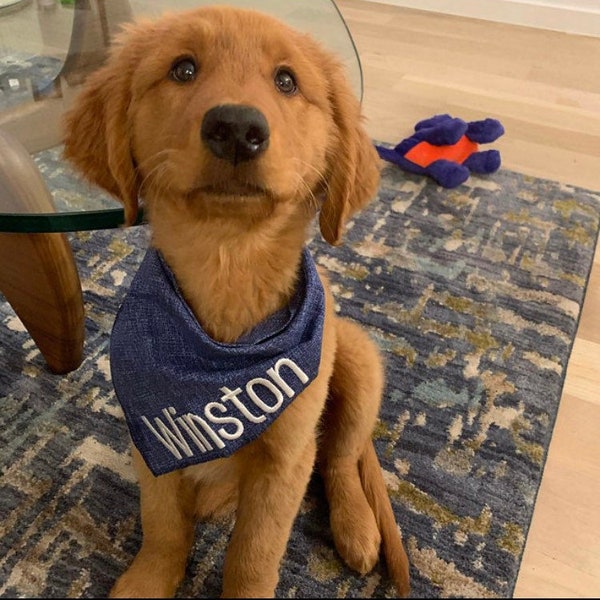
(148, 578)
(128, 586)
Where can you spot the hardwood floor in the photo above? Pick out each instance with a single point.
(545, 89)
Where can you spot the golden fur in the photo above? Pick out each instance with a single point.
(233, 236)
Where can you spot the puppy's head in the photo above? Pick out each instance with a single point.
(228, 113)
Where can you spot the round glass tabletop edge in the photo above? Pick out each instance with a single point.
(65, 222)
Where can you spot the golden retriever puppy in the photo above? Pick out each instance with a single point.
(234, 373)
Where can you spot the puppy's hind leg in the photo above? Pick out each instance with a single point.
(168, 524)
(361, 515)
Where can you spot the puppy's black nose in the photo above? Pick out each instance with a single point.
(235, 132)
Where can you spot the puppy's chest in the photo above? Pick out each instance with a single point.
(215, 472)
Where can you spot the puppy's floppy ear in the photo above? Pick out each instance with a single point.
(353, 162)
(97, 133)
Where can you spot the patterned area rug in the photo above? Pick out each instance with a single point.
(473, 294)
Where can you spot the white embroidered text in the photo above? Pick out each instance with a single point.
(225, 420)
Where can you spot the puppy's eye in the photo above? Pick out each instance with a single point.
(183, 70)
(285, 82)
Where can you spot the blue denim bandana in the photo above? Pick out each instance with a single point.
(188, 399)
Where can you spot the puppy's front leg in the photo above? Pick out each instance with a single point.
(271, 491)
(168, 527)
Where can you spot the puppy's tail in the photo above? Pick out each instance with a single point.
(376, 492)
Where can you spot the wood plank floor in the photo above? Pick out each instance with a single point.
(545, 88)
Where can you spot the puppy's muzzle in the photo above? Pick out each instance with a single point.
(235, 132)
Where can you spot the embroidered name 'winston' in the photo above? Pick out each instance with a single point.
(188, 399)
(250, 408)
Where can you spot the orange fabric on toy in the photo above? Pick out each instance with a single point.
(424, 153)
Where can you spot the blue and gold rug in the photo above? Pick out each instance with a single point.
(473, 294)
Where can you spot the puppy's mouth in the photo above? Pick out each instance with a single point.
(232, 199)
(231, 191)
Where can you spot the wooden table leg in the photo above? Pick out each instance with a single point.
(38, 275)
(39, 279)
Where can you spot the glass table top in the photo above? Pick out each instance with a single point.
(47, 48)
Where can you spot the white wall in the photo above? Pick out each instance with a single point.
(572, 16)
